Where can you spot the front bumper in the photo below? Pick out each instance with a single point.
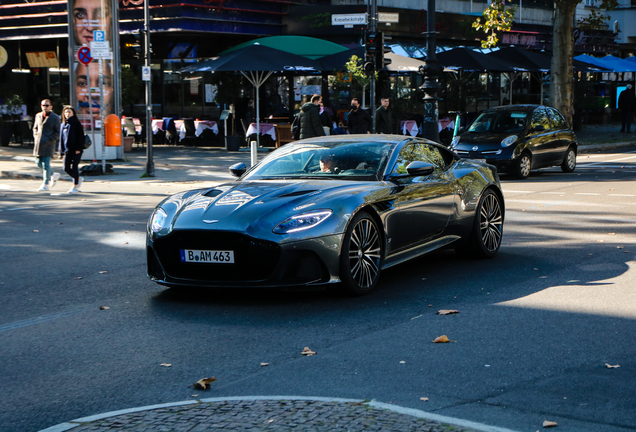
(258, 263)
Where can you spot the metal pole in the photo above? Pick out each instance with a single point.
(372, 27)
(90, 110)
(101, 112)
(432, 69)
(150, 165)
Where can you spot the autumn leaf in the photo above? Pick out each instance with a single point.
(549, 424)
(204, 383)
(104, 307)
(425, 399)
(609, 366)
(165, 364)
(308, 352)
(78, 278)
(264, 364)
(441, 339)
(447, 312)
(103, 272)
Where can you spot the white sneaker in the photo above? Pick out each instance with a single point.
(43, 188)
(54, 179)
(73, 190)
(79, 183)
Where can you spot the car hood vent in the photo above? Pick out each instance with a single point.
(212, 193)
(296, 193)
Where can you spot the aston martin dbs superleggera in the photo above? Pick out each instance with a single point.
(327, 210)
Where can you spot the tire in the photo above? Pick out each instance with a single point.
(523, 167)
(361, 255)
(569, 162)
(487, 232)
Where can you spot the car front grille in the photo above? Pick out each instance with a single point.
(254, 260)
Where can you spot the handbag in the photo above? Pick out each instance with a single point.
(87, 141)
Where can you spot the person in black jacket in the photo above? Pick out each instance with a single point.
(325, 119)
(310, 124)
(384, 122)
(358, 119)
(627, 103)
(72, 146)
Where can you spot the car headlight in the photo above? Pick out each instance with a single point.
(302, 221)
(157, 220)
(455, 141)
(509, 141)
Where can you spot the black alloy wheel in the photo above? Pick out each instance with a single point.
(361, 256)
(569, 162)
(524, 166)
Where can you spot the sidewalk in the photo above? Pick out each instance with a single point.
(188, 164)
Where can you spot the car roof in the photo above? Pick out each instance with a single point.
(369, 138)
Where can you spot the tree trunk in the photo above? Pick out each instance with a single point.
(561, 72)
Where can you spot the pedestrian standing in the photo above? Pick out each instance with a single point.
(627, 103)
(325, 119)
(46, 129)
(310, 124)
(72, 147)
(384, 122)
(358, 119)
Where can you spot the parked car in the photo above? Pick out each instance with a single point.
(519, 138)
(327, 210)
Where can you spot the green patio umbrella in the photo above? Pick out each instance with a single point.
(312, 48)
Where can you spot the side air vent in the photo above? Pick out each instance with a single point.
(212, 193)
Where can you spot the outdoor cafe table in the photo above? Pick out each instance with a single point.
(265, 129)
(409, 127)
(199, 125)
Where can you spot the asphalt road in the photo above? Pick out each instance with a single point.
(537, 324)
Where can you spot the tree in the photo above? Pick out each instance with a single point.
(497, 18)
(561, 70)
(356, 69)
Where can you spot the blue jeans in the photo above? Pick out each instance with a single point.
(44, 163)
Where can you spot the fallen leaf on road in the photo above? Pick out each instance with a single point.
(204, 383)
(441, 339)
(549, 424)
(165, 364)
(264, 364)
(78, 278)
(447, 312)
(308, 352)
(104, 307)
(103, 272)
(402, 362)
(619, 247)
(36, 230)
(425, 399)
(611, 233)
(609, 366)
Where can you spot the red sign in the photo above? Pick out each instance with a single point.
(84, 55)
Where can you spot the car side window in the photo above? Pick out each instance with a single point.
(540, 118)
(558, 122)
(418, 151)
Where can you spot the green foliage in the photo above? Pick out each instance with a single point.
(594, 21)
(496, 18)
(132, 87)
(356, 69)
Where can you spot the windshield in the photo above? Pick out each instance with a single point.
(500, 122)
(330, 160)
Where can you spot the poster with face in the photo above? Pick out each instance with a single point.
(86, 17)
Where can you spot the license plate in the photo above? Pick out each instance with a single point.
(207, 256)
(480, 160)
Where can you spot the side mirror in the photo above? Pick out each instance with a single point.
(419, 168)
(538, 128)
(238, 169)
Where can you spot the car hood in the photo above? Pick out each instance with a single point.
(256, 207)
(484, 140)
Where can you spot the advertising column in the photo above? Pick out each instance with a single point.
(86, 17)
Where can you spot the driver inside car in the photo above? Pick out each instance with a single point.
(327, 163)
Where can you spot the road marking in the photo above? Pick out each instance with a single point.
(623, 195)
(38, 320)
(552, 193)
(584, 193)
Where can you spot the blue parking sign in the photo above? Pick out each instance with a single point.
(99, 35)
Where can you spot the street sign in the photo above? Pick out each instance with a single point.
(100, 45)
(145, 73)
(388, 17)
(348, 19)
(102, 54)
(99, 35)
(84, 55)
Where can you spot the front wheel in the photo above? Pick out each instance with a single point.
(485, 238)
(361, 255)
(569, 162)
(524, 165)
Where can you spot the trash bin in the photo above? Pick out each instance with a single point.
(234, 142)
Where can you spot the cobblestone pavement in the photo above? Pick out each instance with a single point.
(267, 415)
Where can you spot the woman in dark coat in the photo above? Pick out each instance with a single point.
(72, 146)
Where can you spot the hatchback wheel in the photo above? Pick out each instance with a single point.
(524, 165)
(569, 162)
(361, 255)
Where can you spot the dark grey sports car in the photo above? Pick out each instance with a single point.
(327, 210)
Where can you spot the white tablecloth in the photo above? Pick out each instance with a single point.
(157, 125)
(265, 128)
(202, 125)
(409, 127)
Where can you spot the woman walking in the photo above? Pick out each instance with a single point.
(72, 146)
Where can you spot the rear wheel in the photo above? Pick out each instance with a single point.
(524, 165)
(361, 255)
(569, 162)
(485, 238)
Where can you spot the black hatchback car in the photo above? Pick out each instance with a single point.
(519, 138)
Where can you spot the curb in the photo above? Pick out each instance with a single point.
(62, 427)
